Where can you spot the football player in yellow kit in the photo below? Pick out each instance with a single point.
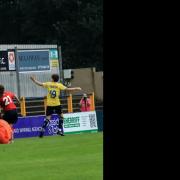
(53, 101)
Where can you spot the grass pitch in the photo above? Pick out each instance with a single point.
(72, 157)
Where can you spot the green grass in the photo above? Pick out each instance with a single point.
(72, 157)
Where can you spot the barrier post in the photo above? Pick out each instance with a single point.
(69, 100)
(92, 107)
(23, 106)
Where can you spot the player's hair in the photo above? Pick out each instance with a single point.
(1, 89)
(55, 77)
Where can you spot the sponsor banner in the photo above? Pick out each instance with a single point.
(30, 60)
(53, 54)
(73, 123)
(3, 61)
(7, 60)
(80, 121)
(54, 58)
(11, 60)
(54, 64)
(33, 60)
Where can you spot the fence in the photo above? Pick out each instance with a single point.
(37, 106)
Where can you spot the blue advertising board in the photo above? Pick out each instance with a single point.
(33, 60)
(30, 126)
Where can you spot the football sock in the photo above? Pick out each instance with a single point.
(45, 123)
(61, 125)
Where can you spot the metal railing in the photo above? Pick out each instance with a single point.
(34, 106)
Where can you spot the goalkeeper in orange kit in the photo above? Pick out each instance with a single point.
(6, 132)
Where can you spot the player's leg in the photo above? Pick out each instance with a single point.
(60, 126)
(49, 112)
(45, 123)
(61, 120)
(12, 134)
(11, 117)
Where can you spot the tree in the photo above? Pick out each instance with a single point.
(76, 25)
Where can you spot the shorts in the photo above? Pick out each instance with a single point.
(53, 110)
(11, 116)
(5, 132)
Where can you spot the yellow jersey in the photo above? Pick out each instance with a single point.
(53, 94)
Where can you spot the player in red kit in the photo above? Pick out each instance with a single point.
(7, 105)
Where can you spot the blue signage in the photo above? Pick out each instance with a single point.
(31, 126)
(33, 60)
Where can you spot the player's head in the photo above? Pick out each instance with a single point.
(1, 90)
(55, 77)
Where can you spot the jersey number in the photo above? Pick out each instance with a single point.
(53, 93)
(7, 100)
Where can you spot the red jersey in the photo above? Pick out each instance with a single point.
(6, 101)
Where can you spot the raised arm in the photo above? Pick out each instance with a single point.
(36, 81)
(73, 89)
